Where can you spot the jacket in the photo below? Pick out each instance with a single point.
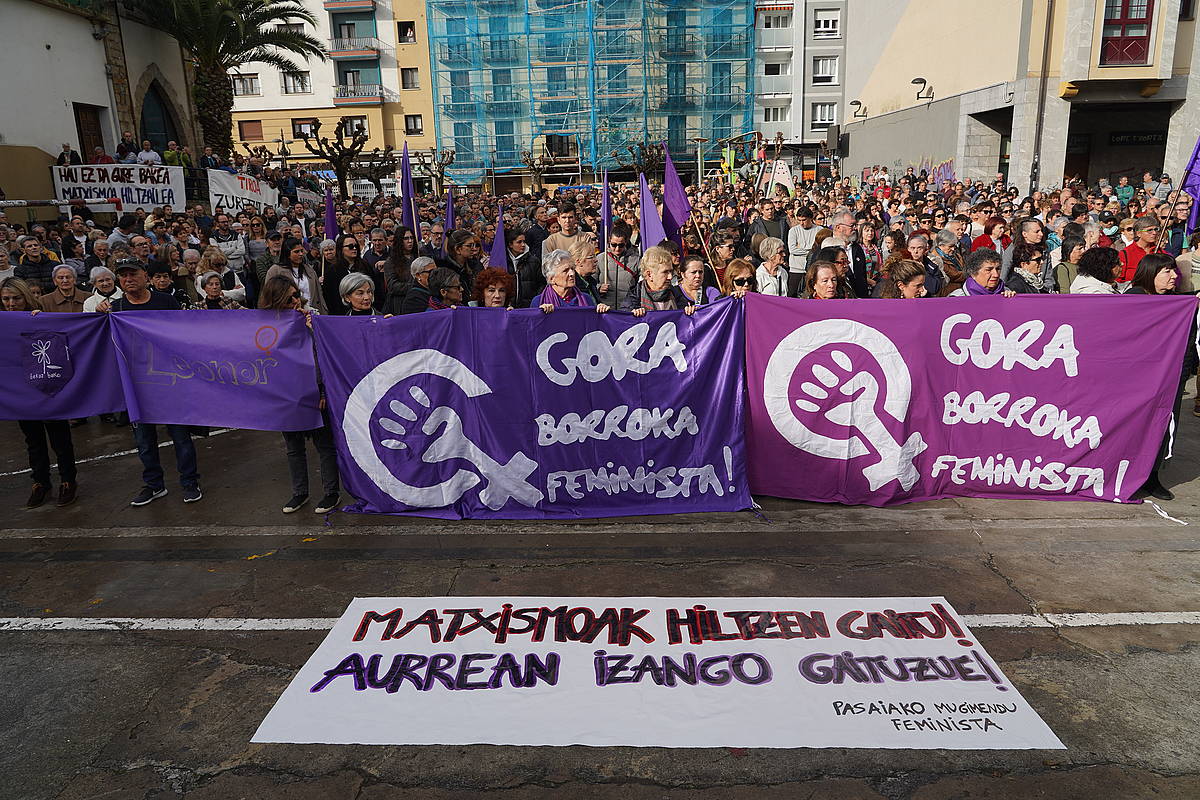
(416, 299)
(316, 299)
(530, 280)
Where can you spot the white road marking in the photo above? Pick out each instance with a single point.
(38, 624)
(117, 454)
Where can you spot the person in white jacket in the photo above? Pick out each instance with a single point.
(800, 241)
(772, 277)
(104, 287)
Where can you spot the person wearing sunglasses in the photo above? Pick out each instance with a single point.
(619, 265)
(348, 258)
(280, 294)
(1026, 276)
(295, 267)
(739, 278)
(1146, 236)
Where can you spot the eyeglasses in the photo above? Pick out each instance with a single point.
(743, 281)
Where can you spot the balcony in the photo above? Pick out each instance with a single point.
(503, 51)
(724, 101)
(727, 45)
(505, 104)
(359, 48)
(1125, 51)
(348, 5)
(560, 52)
(358, 94)
(678, 45)
(456, 52)
(459, 106)
(681, 99)
(774, 38)
(773, 84)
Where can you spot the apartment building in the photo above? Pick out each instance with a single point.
(798, 73)
(1040, 90)
(377, 73)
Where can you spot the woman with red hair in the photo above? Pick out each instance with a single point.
(494, 288)
(994, 237)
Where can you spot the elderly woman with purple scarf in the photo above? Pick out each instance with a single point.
(983, 275)
(562, 289)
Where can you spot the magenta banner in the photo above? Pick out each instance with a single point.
(883, 402)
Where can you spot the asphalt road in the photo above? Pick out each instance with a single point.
(167, 714)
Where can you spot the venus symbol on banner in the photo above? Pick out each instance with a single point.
(833, 389)
(500, 481)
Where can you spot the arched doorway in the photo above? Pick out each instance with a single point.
(157, 124)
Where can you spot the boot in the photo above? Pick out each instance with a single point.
(1153, 487)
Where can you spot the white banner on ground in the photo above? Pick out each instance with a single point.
(134, 184)
(234, 192)
(883, 672)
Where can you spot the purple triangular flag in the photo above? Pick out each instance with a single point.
(408, 195)
(498, 257)
(677, 208)
(652, 227)
(331, 226)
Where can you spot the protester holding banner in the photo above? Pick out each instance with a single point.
(15, 296)
(494, 288)
(982, 268)
(104, 287)
(655, 291)
(416, 299)
(281, 295)
(822, 281)
(357, 293)
(739, 278)
(445, 289)
(558, 267)
(66, 297)
(691, 289)
(293, 265)
(213, 294)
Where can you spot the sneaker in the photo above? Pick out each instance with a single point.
(295, 504)
(37, 495)
(192, 494)
(147, 496)
(66, 494)
(328, 503)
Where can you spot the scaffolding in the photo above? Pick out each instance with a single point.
(580, 79)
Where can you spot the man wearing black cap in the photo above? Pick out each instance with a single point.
(138, 296)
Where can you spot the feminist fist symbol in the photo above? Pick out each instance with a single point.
(895, 459)
(862, 392)
(503, 481)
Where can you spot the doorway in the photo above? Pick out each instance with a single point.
(87, 128)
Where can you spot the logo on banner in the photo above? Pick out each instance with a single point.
(47, 361)
(835, 388)
(409, 425)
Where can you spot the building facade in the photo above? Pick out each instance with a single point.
(1053, 89)
(377, 73)
(579, 80)
(80, 72)
(800, 51)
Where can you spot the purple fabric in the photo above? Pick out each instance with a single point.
(1190, 184)
(57, 366)
(236, 369)
(331, 226)
(498, 257)
(975, 288)
(1035, 396)
(651, 225)
(449, 225)
(408, 214)
(574, 298)
(677, 208)
(487, 413)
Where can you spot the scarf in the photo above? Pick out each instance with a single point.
(574, 297)
(974, 288)
(661, 300)
(1033, 279)
(435, 305)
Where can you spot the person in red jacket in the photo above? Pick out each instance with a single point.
(994, 237)
(1145, 232)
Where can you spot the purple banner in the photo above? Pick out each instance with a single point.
(883, 402)
(237, 369)
(56, 366)
(478, 412)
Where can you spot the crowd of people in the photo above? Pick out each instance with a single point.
(883, 236)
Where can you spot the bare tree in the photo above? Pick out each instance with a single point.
(341, 152)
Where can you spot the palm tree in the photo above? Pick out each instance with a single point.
(221, 35)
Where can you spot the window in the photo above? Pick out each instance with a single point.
(772, 21)
(825, 70)
(297, 83)
(414, 125)
(250, 130)
(464, 142)
(1126, 33)
(823, 115)
(302, 128)
(506, 143)
(355, 124)
(245, 85)
(773, 68)
(406, 32)
(827, 23)
(410, 78)
(1187, 9)
(290, 27)
(776, 113)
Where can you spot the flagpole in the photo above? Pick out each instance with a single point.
(1162, 230)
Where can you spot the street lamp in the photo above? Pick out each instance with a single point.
(700, 142)
(925, 92)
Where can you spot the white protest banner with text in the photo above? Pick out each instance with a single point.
(885, 672)
(234, 192)
(309, 196)
(133, 184)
